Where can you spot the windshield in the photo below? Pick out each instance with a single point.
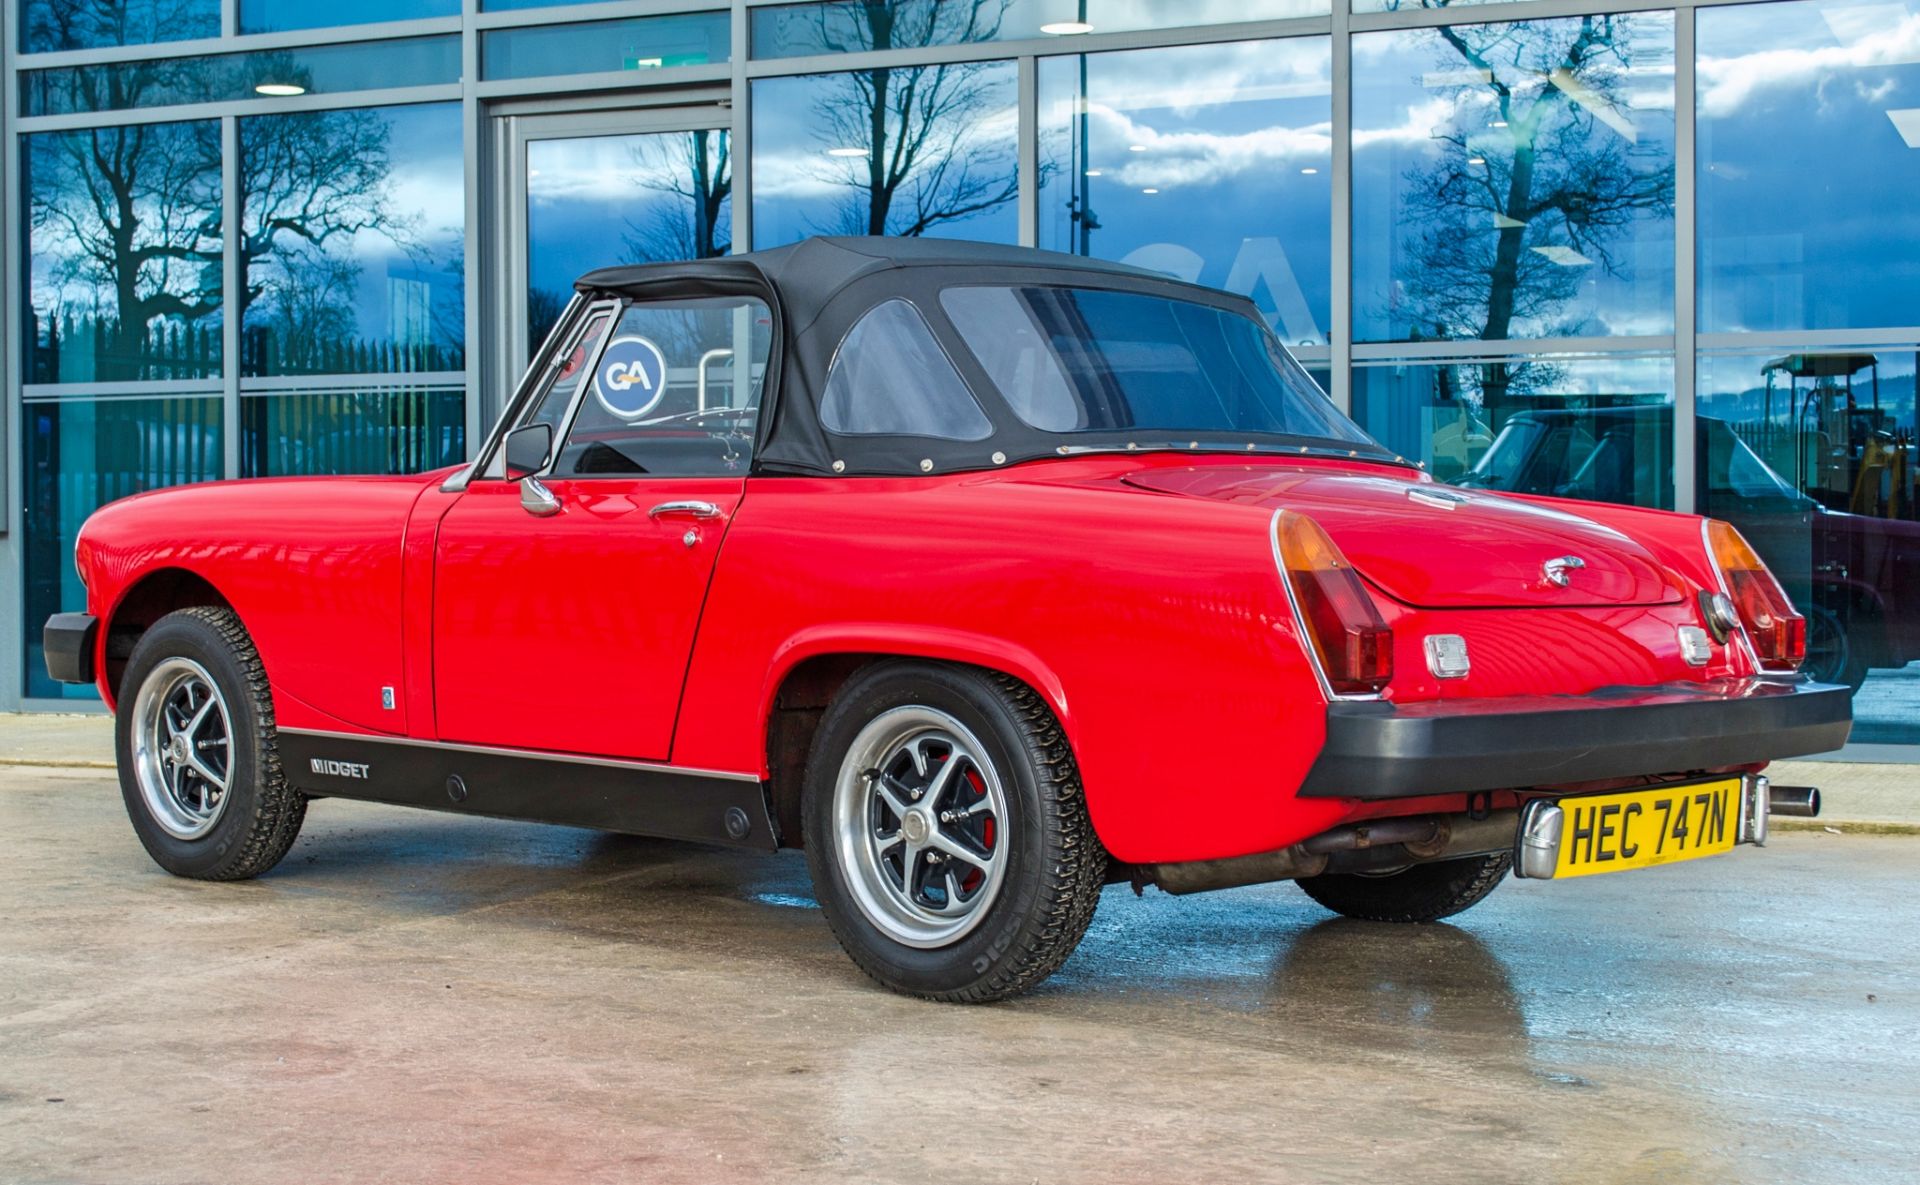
(1499, 467)
(1734, 470)
(1089, 360)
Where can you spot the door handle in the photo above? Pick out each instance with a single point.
(692, 508)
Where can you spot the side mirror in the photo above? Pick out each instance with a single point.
(527, 449)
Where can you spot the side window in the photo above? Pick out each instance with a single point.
(569, 369)
(1014, 350)
(675, 391)
(891, 378)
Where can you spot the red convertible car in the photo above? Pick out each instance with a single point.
(989, 577)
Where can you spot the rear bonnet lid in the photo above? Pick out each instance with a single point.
(1436, 547)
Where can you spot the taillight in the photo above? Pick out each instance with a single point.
(1778, 633)
(1354, 645)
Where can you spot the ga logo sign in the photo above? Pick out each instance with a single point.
(632, 377)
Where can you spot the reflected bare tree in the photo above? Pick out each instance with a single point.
(133, 211)
(694, 172)
(312, 182)
(84, 24)
(923, 165)
(1534, 187)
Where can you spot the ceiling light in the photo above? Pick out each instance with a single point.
(1597, 104)
(1093, 172)
(1149, 189)
(846, 152)
(1906, 121)
(280, 90)
(1136, 148)
(1498, 123)
(1476, 160)
(1564, 256)
(1309, 170)
(1066, 28)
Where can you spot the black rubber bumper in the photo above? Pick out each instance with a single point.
(1377, 749)
(68, 643)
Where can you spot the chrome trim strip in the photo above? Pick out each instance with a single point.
(536, 754)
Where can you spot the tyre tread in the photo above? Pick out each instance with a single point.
(280, 810)
(1068, 889)
(1071, 889)
(1422, 893)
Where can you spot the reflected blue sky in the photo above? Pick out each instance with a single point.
(593, 201)
(394, 277)
(794, 30)
(1809, 130)
(811, 140)
(1211, 163)
(1572, 166)
(269, 16)
(91, 24)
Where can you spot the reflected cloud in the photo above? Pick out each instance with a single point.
(1194, 157)
(1729, 83)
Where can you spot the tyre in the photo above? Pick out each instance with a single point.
(1418, 893)
(194, 740)
(1834, 653)
(947, 833)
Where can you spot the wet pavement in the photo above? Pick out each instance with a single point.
(423, 997)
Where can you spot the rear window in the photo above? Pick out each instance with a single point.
(891, 378)
(1095, 360)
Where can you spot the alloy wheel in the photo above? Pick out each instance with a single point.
(921, 820)
(182, 748)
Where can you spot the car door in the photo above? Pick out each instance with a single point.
(565, 605)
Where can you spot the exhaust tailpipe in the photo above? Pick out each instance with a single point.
(1801, 802)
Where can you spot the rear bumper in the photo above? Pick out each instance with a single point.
(1377, 749)
(67, 642)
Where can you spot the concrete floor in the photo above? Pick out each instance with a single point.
(422, 997)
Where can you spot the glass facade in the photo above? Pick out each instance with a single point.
(124, 279)
(917, 150)
(278, 16)
(267, 74)
(662, 195)
(1809, 121)
(1132, 141)
(851, 26)
(1514, 180)
(48, 26)
(353, 249)
(1658, 257)
(587, 47)
(77, 455)
(1597, 427)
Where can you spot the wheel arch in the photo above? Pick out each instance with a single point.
(154, 595)
(812, 668)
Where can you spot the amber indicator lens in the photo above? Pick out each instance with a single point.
(1778, 633)
(1354, 644)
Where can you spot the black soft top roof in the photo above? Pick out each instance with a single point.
(818, 288)
(810, 273)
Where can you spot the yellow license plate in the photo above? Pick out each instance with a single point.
(1641, 828)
